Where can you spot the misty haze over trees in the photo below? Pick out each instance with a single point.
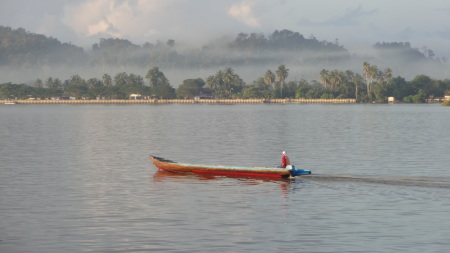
(29, 55)
(21, 49)
(263, 61)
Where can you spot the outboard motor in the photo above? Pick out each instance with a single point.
(297, 172)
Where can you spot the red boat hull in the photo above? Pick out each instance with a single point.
(172, 166)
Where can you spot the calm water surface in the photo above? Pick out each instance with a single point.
(77, 178)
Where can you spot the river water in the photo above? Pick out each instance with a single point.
(77, 178)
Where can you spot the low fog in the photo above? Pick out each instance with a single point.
(247, 72)
(249, 55)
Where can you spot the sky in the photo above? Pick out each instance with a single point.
(356, 24)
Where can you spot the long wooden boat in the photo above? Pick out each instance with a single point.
(168, 165)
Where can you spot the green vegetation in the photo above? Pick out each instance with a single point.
(373, 86)
(21, 50)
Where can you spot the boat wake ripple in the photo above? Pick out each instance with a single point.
(417, 181)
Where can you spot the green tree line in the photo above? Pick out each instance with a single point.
(371, 85)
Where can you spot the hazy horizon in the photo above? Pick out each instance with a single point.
(356, 25)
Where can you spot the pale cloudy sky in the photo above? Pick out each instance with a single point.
(357, 24)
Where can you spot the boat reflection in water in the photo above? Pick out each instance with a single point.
(162, 175)
(284, 184)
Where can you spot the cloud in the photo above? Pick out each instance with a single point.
(101, 27)
(89, 18)
(148, 20)
(244, 12)
(351, 17)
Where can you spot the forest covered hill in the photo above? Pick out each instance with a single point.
(28, 55)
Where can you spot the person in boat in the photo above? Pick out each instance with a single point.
(284, 160)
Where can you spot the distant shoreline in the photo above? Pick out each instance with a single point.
(186, 101)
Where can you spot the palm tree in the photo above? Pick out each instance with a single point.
(366, 70)
(107, 80)
(38, 83)
(228, 79)
(357, 80)
(218, 84)
(325, 77)
(215, 83)
(210, 83)
(336, 78)
(373, 74)
(154, 77)
(350, 77)
(49, 83)
(121, 79)
(282, 73)
(370, 74)
(388, 73)
(228, 75)
(269, 77)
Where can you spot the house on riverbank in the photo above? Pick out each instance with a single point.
(135, 96)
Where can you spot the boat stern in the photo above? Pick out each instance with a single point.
(297, 172)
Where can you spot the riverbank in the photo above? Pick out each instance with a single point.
(186, 101)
